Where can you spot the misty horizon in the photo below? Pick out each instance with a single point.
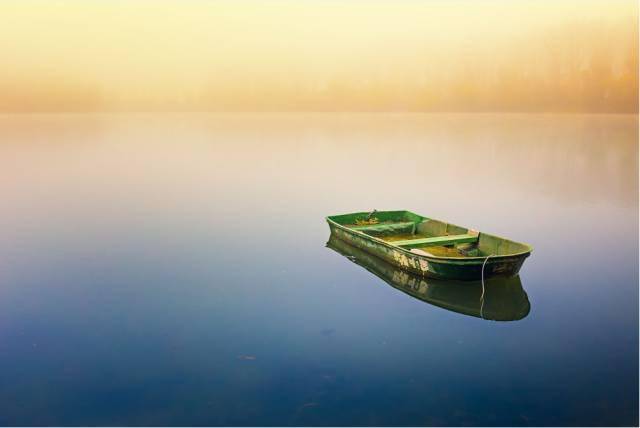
(433, 56)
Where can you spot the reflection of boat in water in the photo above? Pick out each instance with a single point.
(504, 299)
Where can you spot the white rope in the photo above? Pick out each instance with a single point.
(482, 281)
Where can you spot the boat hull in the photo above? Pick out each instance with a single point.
(434, 267)
(498, 299)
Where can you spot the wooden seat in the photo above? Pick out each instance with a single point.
(384, 227)
(437, 240)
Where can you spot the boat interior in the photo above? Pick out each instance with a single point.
(430, 237)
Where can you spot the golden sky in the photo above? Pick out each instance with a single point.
(319, 55)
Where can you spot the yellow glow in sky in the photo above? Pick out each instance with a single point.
(319, 55)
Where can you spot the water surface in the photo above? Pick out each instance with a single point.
(172, 270)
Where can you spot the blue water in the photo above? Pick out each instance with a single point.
(172, 270)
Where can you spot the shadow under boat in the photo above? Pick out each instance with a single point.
(504, 298)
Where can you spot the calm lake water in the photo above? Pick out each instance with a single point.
(172, 270)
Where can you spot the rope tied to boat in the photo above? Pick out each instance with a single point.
(482, 282)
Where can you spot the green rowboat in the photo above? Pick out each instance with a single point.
(429, 247)
(501, 299)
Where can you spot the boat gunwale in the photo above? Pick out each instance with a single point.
(452, 260)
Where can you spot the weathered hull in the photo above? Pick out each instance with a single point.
(500, 299)
(434, 267)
